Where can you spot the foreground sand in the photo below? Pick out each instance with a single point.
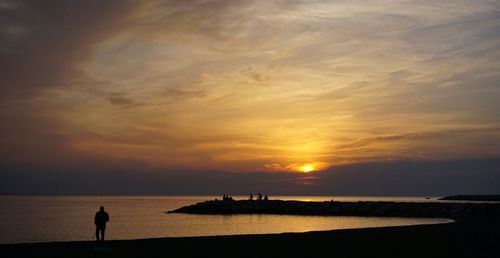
(442, 240)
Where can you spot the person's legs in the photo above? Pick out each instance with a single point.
(97, 229)
(102, 233)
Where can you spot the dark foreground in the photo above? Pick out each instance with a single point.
(442, 240)
(489, 198)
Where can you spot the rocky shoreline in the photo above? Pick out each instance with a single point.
(487, 198)
(456, 211)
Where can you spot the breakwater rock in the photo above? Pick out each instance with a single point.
(489, 198)
(456, 211)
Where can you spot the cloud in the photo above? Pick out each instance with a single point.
(41, 46)
(234, 85)
(120, 101)
(400, 178)
(437, 135)
(56, 36)
(182, 94)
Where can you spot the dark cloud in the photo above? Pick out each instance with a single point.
(120, 101)
(417, 178)
(52, 38)
(436, 135)
(410, 178)
(41, 46)
(178, 94)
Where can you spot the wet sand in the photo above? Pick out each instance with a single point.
(441, 240)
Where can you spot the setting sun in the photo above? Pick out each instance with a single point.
(307, 168)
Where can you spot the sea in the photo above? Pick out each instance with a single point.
(27, 219)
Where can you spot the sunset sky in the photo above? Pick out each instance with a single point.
(201, 96)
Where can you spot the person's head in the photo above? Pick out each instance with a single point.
(102, 208)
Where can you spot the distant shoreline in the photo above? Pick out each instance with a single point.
(491, 198)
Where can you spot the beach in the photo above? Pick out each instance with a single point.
(440, 240)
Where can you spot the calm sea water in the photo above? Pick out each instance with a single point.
(69, 218)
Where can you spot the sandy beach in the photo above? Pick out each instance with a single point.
(440, 240)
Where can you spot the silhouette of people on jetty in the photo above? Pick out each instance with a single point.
(227, 198)
(100, 220)
(259, 197)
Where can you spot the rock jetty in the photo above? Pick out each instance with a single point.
(456, 211)
(487, 198)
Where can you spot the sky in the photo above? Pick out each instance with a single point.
(350, 97)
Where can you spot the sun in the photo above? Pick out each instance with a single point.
(307, 168)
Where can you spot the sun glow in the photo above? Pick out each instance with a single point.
(307, 168)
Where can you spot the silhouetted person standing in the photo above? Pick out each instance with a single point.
(100, 220)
